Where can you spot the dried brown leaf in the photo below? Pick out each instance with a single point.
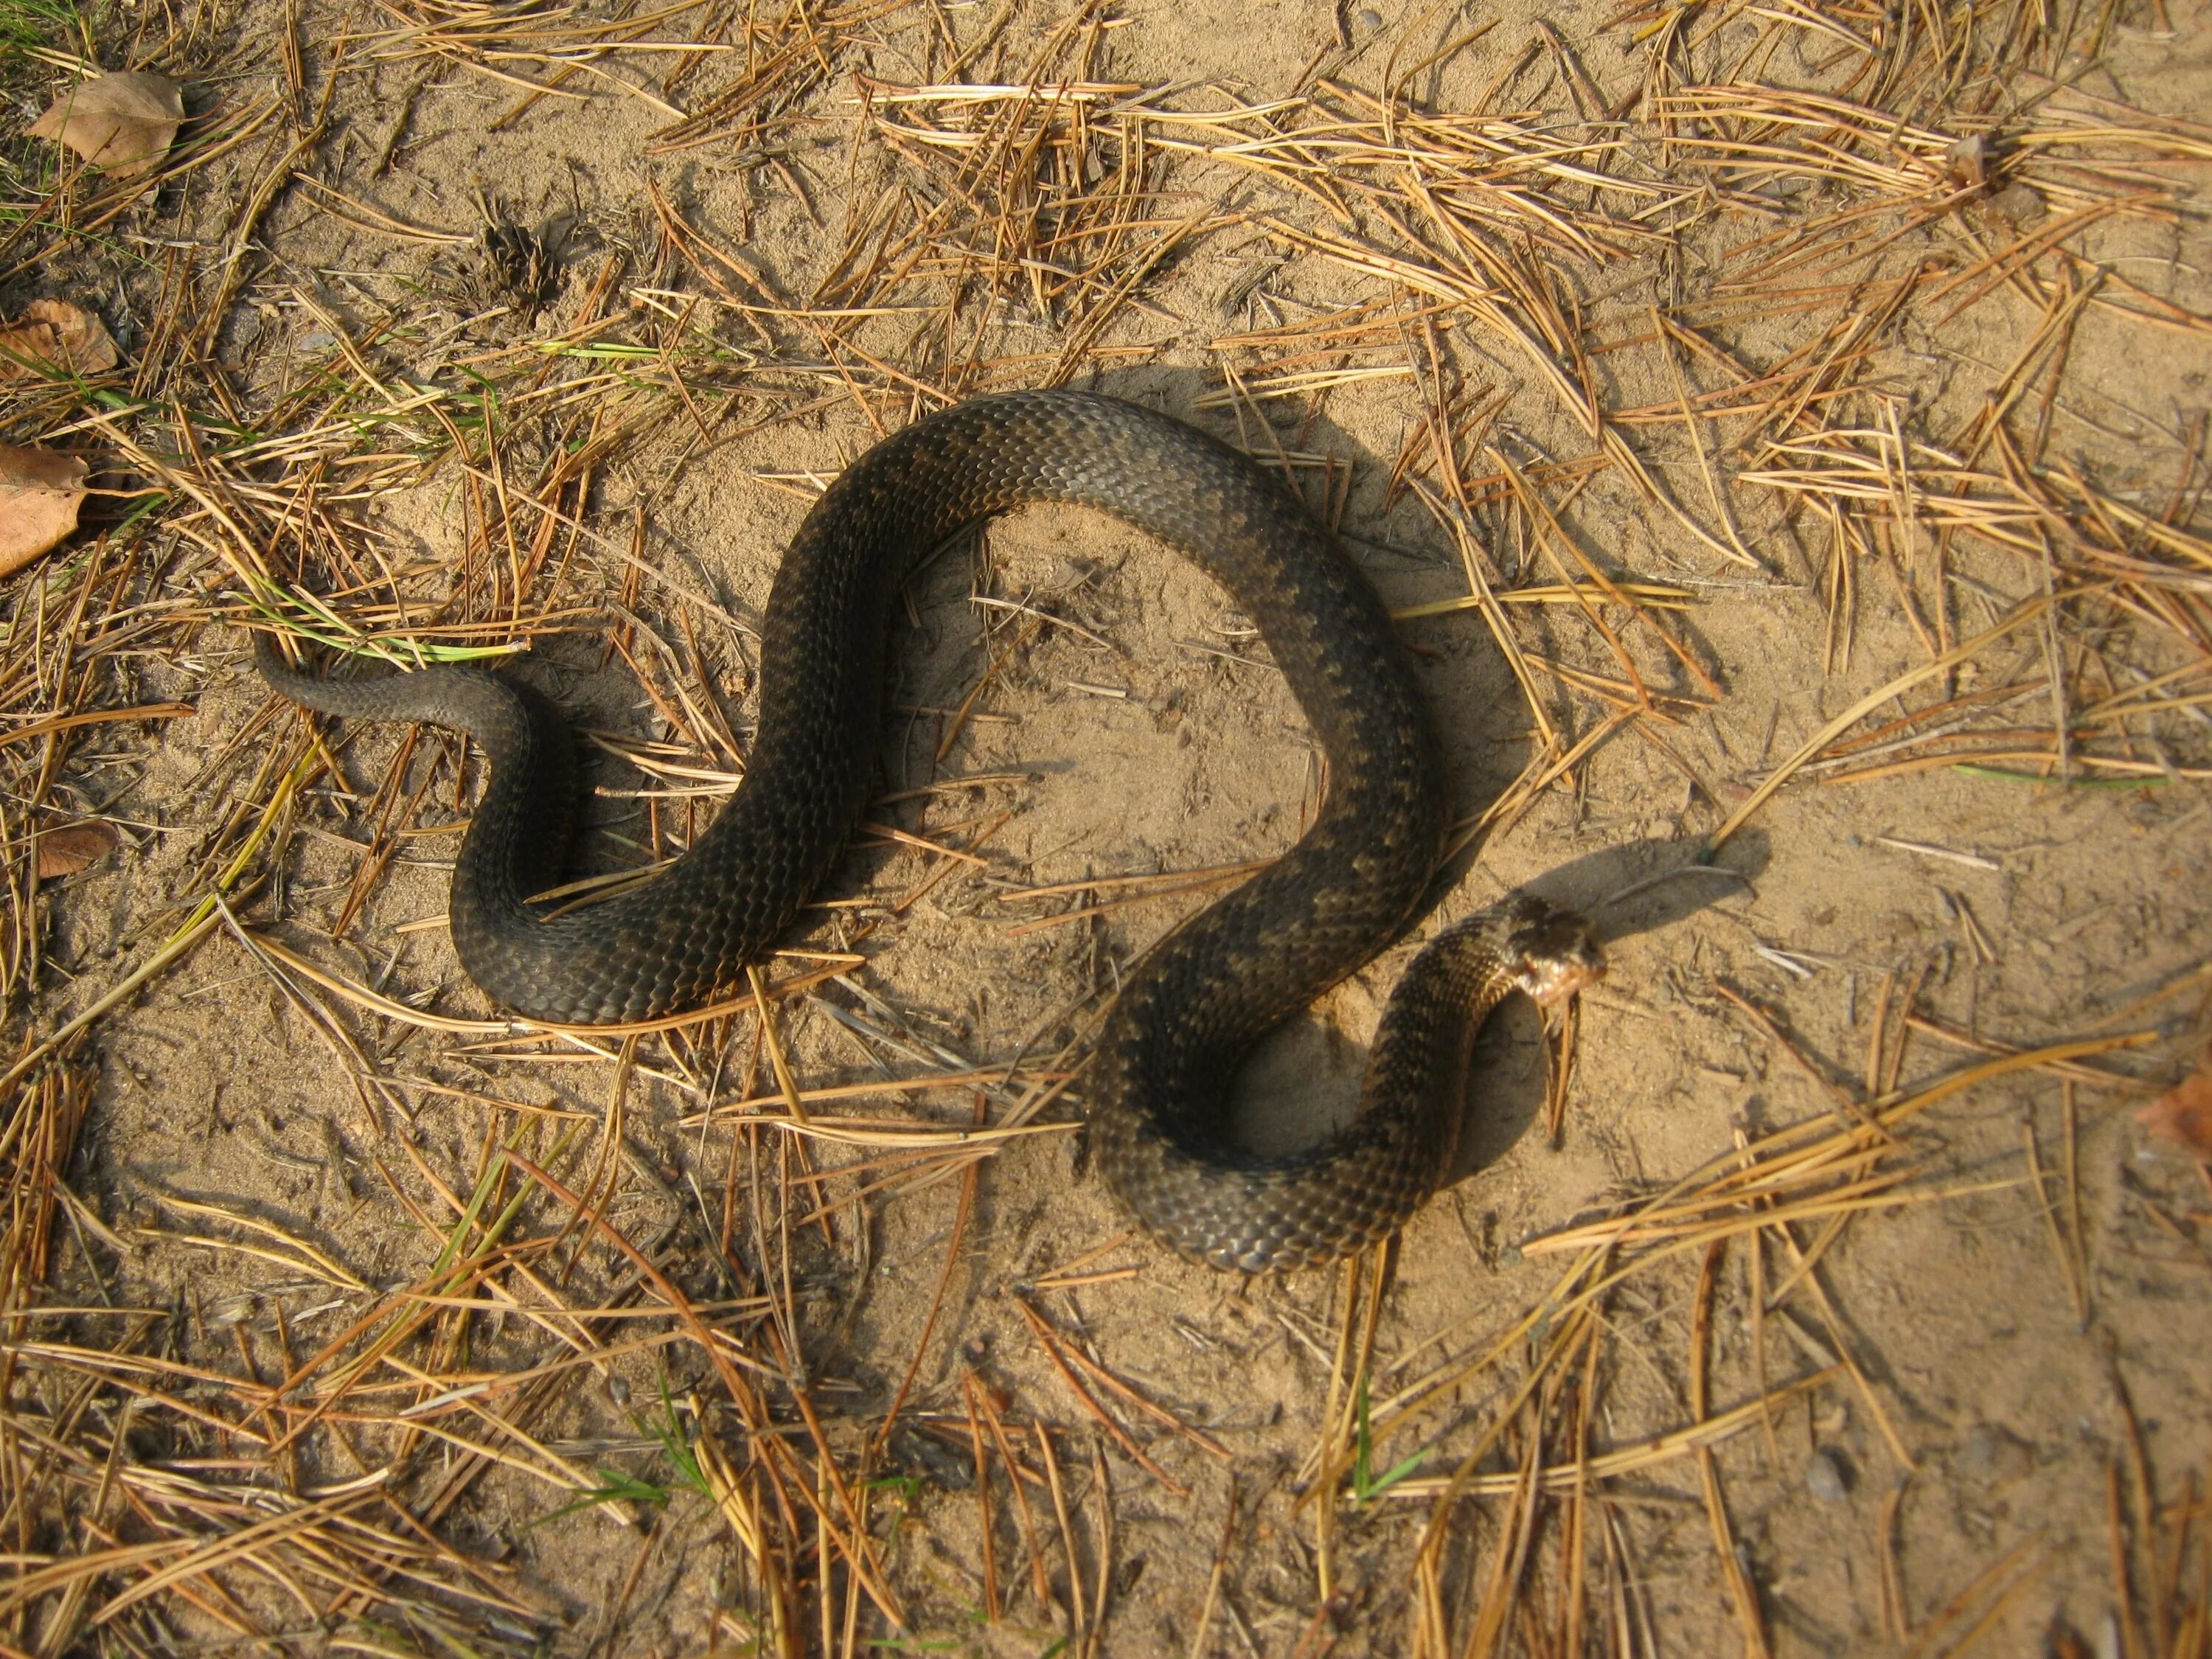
(2183, 1114)
(70, 847)
(53, 334)
(40, 491)
(125, 123)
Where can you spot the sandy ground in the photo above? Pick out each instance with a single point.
(1954, 1463)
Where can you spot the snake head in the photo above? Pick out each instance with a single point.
(1551, 953)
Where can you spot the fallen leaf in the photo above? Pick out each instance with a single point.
(40, 491)
(2183, 1114)
(71, 848)
(125, 123)
(52, 334)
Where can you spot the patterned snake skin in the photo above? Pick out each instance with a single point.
(1194, 1007)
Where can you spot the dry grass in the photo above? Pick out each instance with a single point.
(1019, 217)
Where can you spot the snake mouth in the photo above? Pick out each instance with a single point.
(1555, 953)
(1554, 979)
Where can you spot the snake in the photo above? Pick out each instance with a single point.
(1192, 1008)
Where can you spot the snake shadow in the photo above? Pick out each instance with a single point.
(1303, 1080)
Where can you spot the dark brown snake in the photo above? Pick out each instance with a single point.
(1192, 1007)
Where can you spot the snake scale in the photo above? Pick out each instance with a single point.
(1193, 1006)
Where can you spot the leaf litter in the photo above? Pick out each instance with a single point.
(123, 123)
(53, 337)
(41, 492)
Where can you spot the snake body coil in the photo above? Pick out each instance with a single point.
(1192, 1007)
